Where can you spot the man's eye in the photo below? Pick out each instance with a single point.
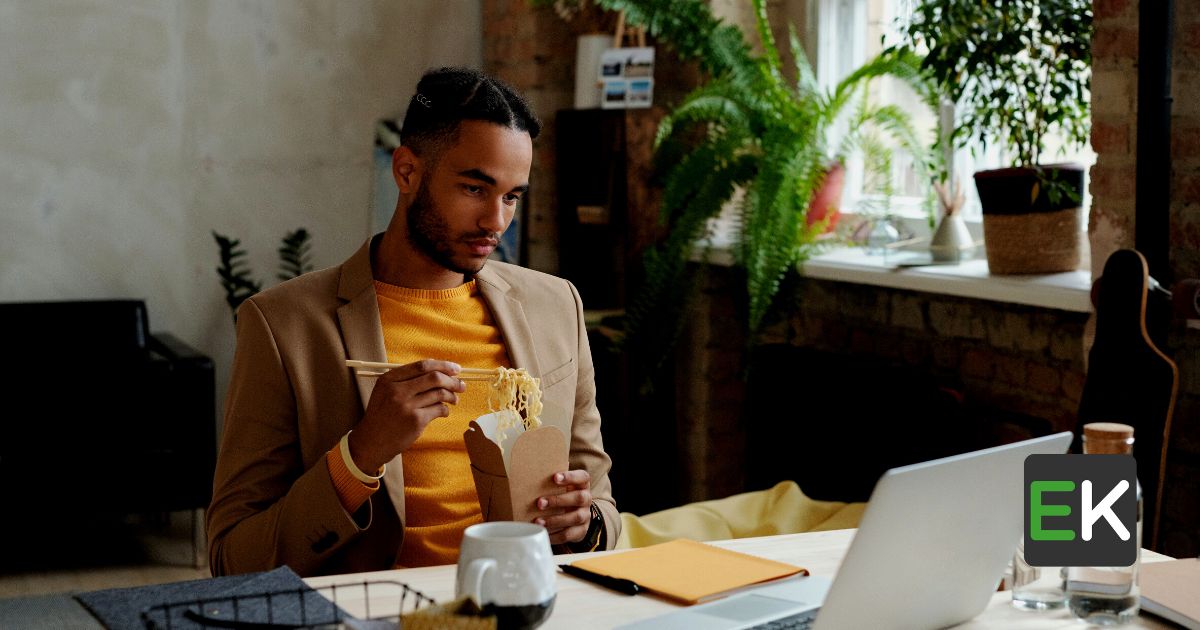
(474, 190)
(511, 198)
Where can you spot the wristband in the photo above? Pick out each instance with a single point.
(344, 447)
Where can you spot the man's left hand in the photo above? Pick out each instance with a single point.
(576, 500)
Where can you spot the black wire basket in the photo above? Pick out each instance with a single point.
(368, 605)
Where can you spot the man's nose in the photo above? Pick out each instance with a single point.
(495, 219)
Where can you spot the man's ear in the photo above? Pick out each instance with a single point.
(407, 169)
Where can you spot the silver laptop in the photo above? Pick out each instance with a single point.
(929, 552)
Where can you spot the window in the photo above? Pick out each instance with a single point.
(847, 34)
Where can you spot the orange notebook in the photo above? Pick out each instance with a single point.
(688, 571)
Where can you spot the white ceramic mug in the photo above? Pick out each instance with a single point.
(508, 569)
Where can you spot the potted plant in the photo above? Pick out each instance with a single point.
(294, 261)
(1017, 71)
(748, 128)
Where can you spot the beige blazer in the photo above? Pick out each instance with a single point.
(291, 399)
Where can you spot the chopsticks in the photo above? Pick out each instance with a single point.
(376, 365)
(376, 368)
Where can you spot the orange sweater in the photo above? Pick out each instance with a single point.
(439, 492)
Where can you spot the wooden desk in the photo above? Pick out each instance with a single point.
(584, 605)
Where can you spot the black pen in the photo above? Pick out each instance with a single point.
(620, 585)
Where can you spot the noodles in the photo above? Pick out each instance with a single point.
(516, 392)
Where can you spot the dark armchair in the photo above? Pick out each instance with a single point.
(100, 415)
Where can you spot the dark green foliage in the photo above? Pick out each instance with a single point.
(235, 277)
(1016, 68)
(751, 129)
(692, 30)
(294, 258)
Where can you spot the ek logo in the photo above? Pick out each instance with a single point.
(1080, 510)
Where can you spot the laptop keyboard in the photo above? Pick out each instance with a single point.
(798, 621)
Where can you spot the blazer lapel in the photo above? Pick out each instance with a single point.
(362, 335)
(518, 341)
(510, 318)
(362, 332)
(502, 299)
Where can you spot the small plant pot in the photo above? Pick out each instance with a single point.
(827, 198)
(1023, 230)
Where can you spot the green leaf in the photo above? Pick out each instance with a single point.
(294, 259)
(1019, 69)
(235, 278)
(747, 128)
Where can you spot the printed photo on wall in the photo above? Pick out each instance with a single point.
(614, 94)
(628, 77)
(639, 93)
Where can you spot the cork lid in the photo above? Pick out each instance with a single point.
(1107, 438)
(1107, 431)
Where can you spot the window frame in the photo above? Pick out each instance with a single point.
(908, 210)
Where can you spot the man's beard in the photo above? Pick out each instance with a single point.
(430, 235)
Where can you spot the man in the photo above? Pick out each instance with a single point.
(328, 472)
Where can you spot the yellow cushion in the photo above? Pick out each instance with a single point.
(780, 510)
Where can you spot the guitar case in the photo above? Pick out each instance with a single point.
(1129, 379)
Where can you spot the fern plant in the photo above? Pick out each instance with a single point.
(749, 128)
(294, 259)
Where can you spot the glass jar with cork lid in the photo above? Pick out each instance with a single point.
(1107, 595)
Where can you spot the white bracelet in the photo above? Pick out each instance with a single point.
(344, 447)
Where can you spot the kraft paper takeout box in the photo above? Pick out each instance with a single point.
(510, 481)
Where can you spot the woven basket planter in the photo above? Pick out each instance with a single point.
(1023, 231)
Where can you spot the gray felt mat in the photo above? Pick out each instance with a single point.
(277, 597)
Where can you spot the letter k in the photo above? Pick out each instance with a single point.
(1092, 514)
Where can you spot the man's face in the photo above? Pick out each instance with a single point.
(467, 200)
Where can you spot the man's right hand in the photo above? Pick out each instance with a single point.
(405, 400)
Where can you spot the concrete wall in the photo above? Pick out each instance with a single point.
(129, 130)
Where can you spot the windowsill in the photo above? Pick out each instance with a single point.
(1068, 291)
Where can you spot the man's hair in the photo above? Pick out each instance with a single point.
(447, 96)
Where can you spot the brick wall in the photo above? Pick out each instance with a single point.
(1018, 369)
(710, 389)
(1181, 522)
(534, 51)
(1024, 360)
(1185, 145)
(1114, 127)
(1114, 138)
(1016, 361)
